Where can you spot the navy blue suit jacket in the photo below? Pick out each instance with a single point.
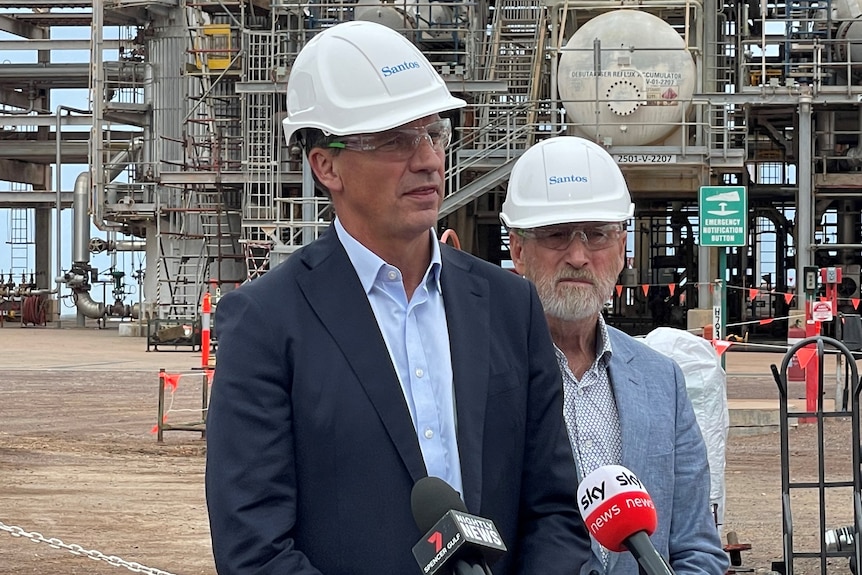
(311, 452)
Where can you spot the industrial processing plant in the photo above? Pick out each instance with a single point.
(185, 165)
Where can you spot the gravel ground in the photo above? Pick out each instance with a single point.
(79, 463)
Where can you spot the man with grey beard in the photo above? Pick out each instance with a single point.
(624, 404)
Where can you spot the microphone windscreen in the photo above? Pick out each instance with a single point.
(431, 499)
(615, 506)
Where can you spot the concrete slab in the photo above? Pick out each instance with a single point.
(755, 416)
(132, 330)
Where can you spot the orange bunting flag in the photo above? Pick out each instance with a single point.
(619, 289)
(788, 297)
(805, 355)
(210, 373)
(823, 298)
(721, 346)
(672, 288)
(766, 321)
(645, 287)
(711, 287)
(155, 428)
(752, 293)
(172, 380)
(855, 301)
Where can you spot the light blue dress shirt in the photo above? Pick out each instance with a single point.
(417, 337)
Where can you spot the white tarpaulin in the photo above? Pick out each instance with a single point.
(707, 388)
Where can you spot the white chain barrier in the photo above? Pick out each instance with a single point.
(78, 550)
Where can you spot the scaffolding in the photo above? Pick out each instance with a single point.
(186, 100)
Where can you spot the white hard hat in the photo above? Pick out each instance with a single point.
(362, 77)
(565, 179)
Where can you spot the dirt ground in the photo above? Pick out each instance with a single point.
(80, 466)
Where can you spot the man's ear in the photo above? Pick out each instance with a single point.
(324, 168)
(516, 250)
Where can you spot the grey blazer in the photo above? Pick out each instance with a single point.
(663, 446)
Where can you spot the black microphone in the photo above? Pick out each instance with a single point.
(455, 542)
(620, 515)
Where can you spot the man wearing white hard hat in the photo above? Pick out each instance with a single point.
(376, 356)
(624, 404)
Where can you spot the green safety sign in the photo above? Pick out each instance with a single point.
(723, 216)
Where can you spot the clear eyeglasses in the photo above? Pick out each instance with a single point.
(560, 237)
(398, 143)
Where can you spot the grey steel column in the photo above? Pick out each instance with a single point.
(804, 196)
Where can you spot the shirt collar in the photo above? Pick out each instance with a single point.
(604, 352)
(367, 264)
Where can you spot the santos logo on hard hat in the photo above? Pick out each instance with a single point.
(388, 71)
(593, 190)
(567, 179)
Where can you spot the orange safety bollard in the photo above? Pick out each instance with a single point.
(812, 372)
(206, 311)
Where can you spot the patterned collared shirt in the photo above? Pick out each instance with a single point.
(590, 412)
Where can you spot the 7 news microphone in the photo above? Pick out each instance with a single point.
(620, 515)
(455, 542)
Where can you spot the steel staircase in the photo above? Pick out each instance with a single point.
(507, 121)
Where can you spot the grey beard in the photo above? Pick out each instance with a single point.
(574, 303)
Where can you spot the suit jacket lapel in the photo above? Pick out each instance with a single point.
(631, 398)
(468, 319)
(344, 310)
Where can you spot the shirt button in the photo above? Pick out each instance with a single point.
(419, 373)
(580, 392)
(429, 433)
(392, 275)
(588, 443)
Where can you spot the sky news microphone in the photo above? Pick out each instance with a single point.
(455, 542)
(620, 515)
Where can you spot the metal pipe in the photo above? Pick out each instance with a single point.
(804, 200)
(643, 5)
(831, 247)
(129, 246)
(58, 179)
(98, 245)
(97, 95)
(31, 103)
(87, 306)
(81, 219)
(58, 209)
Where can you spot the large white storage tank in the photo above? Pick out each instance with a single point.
(638, 93)
(432, 21)
(849, 13)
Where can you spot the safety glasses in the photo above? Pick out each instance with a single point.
(560, 237)
(398, 143)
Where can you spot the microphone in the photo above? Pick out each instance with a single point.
(455, 541)
(620, 515)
